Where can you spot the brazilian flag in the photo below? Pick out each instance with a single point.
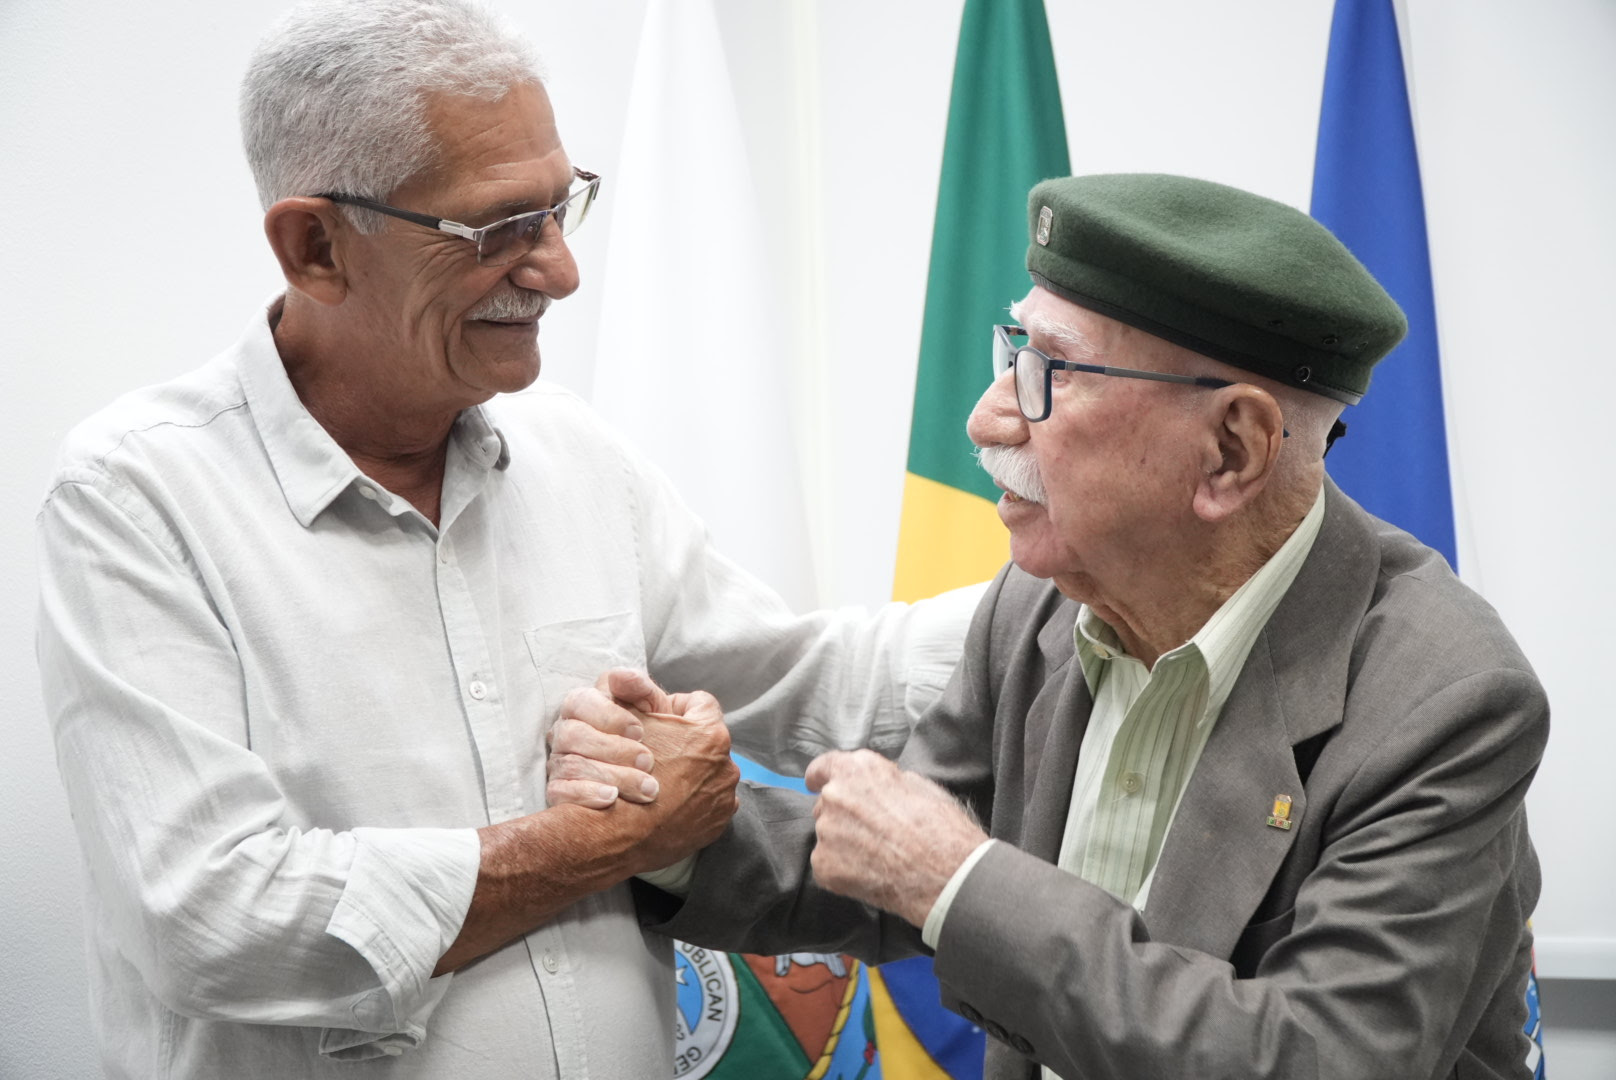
(1005, 133)
(827, 1017)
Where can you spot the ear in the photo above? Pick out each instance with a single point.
(303, 234)
(1246, 436)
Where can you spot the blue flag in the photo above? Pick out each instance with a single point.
(1366, 189)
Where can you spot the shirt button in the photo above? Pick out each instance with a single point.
(369, 493)
(1132, 782)
(477, 689)
(443, 555)
(550, 962)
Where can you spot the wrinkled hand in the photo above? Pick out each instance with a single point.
(608, 733)
(596, 744)
(886, 837)
(533, 867)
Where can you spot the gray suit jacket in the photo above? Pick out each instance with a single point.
(1383, 935)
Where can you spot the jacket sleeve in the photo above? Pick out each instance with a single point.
(753, 890)
(1424, 859)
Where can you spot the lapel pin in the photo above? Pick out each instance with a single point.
(1281, 817)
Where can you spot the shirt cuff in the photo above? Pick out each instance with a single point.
(673, 879)
(933, 928)
(404, 903)
(347, 1044)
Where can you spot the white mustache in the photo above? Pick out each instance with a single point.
(518, 304)
(1014, 469)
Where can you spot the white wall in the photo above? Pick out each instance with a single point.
(132, 252)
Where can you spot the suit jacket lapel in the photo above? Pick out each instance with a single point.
(1055, 725)
(1221, 855)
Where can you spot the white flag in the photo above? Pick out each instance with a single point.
(693, 363)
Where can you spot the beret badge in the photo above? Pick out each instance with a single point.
(1046, 218)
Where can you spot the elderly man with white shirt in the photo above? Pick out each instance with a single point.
(1229, 781)
(308, 611)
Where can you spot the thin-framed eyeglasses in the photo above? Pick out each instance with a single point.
(1035, 372)
(505, 240)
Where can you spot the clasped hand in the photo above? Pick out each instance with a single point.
(886, 837)
(625, 738)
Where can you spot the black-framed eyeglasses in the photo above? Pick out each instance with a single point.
(506, 240)
(1035, 372)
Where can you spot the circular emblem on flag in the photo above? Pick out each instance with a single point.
(704, 1022)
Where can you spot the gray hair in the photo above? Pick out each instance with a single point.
(334, 99)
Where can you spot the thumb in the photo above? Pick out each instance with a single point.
(821, 769)
(634, 689)
(698, 705)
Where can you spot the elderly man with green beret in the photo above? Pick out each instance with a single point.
(1229, 782)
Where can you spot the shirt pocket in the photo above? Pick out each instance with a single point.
(574, 652)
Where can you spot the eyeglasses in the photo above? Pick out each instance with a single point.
(1035, 372)
(506, 240)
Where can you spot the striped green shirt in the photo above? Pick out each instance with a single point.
(1148, 726)
(1146, 732)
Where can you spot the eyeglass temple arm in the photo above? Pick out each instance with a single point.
(1133, 373)
(427, 219)
(392, 211)
(1207, 381)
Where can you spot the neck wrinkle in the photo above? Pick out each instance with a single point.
(353, 406)
(1174, 602)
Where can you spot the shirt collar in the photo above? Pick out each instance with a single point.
(309, 465)
(1225, 640)
(481, 439)
(1228, 636)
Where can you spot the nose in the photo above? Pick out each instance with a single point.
(548, 267)
(997, 419)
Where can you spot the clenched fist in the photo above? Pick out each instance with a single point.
(886, 837)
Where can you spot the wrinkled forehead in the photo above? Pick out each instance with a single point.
(509, 150)
(471, 126)
(1057, 321)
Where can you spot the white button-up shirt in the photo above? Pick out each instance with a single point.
(283, 701)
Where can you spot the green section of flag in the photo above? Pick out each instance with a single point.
(1006, 132)
(764, 1044)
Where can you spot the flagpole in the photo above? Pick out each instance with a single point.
(817, 421)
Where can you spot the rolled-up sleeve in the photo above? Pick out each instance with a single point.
(227, 907)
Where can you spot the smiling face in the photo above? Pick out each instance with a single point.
(451, 332)
(1114, 456)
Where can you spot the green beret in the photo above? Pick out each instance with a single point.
(1229, 274)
